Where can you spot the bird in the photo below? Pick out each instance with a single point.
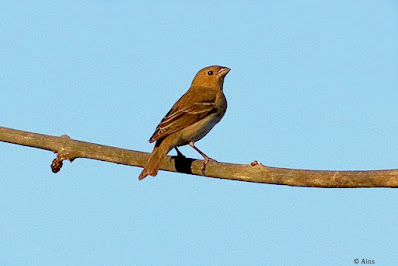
(190, 118)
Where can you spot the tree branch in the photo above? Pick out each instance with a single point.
(70, 149)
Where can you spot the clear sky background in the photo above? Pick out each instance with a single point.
(313, 85)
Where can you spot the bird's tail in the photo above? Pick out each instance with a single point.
(152, 166)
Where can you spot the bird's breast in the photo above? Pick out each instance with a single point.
(199, 129)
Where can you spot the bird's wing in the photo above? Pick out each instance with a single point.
(193, 106)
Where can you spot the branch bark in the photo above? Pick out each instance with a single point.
(70, 149)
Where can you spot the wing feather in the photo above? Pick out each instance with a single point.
(196, 104)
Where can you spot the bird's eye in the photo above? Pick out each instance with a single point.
(210, 73)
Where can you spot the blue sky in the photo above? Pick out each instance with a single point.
(313, 85)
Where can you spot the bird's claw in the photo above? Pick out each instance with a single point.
(205, 162)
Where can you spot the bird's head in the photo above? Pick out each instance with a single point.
(211, 77)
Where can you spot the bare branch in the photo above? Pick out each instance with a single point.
(70, 149)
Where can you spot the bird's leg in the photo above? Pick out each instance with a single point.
(179, 154)
(205, 157)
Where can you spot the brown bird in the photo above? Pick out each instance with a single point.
(190, 118)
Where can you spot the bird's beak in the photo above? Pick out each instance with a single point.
(223, 71)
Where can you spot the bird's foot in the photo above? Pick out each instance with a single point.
(206, 160)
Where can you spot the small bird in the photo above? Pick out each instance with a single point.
(190, 118)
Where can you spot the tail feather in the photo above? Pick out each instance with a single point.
(152, 166)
